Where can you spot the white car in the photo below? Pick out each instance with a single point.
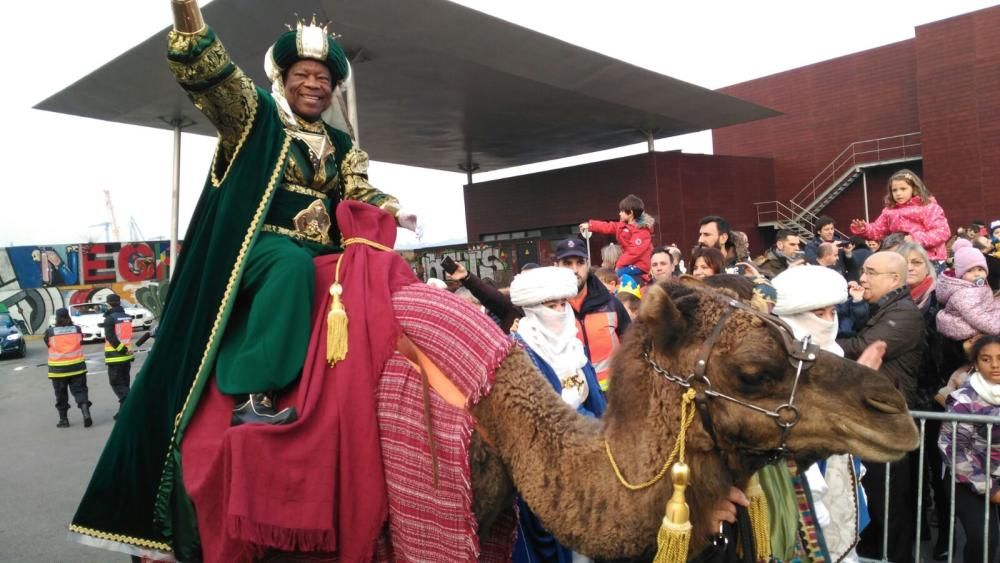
(142, 318)
(90, 318)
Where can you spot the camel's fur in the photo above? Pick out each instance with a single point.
(557, 458)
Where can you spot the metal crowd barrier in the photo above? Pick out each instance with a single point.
(949, 422)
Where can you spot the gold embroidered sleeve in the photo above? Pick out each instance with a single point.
(354, 174)
(219, 89)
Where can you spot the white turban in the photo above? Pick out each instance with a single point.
(807, 288)
(539, 285)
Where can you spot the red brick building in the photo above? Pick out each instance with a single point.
(931, 104)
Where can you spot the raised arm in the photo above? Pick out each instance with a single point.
(216, 86)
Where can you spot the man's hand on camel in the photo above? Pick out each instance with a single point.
(725, 509)
(872, 356)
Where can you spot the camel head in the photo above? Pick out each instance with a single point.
(844, 407)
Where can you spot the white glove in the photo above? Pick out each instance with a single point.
(408, 220)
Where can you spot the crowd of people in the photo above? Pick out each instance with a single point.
(288, 180)
(905, 279)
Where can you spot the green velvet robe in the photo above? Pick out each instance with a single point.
(136, 498)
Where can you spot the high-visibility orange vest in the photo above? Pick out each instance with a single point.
(599, 335)
(66, 351)
(120, 353)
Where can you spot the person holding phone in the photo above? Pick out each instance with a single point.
(786, 251)
(497, 304)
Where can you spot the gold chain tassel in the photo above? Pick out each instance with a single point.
(759, 519)
(674, 537)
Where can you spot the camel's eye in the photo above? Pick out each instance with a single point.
(754, 374)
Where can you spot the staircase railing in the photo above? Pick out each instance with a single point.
(797, 214)
(857, 153)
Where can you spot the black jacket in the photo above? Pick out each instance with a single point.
(112, 317)
(896, 320)
(496, 303)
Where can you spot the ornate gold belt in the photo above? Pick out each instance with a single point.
(300, 189)
(312, 224)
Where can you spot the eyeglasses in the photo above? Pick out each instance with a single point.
(872, 273)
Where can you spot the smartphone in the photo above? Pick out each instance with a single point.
(449, 265)
(799, 255)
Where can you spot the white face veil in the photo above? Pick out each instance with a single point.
(551, 334)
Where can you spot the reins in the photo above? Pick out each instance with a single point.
(802, 354)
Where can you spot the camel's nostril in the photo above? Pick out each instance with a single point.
(887, 405)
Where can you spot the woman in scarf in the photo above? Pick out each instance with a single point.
(807, 296)
(548, 333)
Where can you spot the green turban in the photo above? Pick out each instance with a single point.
(309, 42)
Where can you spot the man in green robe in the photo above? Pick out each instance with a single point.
(240, 302)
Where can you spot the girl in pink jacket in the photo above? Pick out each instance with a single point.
(909, 208)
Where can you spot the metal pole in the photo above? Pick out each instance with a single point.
(650, 142)
(175, 196)
(469, 167)
(864, 190)
(920, 486)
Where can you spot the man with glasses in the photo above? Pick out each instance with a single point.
(897, 321)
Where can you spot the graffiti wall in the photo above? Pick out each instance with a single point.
(37, 280)
(497, 261)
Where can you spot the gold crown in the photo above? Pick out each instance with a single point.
(302, 23)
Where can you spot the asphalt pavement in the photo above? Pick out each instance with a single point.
(43, 469)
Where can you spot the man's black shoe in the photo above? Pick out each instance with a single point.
(259, 409)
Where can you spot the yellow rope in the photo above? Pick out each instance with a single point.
(371, 243)
(687, 417)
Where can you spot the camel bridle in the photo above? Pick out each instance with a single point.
(801, 353)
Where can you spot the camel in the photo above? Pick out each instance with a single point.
(556, 458)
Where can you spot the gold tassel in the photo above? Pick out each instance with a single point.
(336, 325)
(674, 536)
(336, 319)
(759, 519)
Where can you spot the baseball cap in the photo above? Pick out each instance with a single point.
(571, 247)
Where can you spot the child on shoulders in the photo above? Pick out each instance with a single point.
(909, 208)
(633, 231)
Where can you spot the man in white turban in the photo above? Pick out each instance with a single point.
(807, 296)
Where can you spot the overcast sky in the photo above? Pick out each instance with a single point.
(56, 167)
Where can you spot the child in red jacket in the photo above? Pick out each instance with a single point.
(634, 232)
(909, 208)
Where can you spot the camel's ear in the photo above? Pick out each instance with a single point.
(659, 313)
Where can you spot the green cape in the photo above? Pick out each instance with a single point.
(136, 495)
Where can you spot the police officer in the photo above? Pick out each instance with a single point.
(67, 368)
(117, 338)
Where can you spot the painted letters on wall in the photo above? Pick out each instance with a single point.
(37, 280)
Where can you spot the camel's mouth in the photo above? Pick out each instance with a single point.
(889, 442)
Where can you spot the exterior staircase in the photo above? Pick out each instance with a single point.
(800, 213)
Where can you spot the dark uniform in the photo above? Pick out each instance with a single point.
(117, 355)
(68, 370)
